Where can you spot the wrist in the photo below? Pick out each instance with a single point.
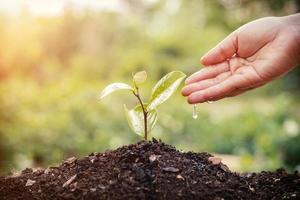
(293, 25)
(293, 20)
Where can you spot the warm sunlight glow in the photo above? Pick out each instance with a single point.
(55, 7)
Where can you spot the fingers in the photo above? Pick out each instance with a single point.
(208, 72)
(193, 87)
(232, 86)
(223, 51)
(218, 91)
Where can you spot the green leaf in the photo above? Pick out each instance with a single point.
(114, 87)
(151, 116)
(135, 119)
(140, 77)
(165, 87)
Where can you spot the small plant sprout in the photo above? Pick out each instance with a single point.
(143, 116)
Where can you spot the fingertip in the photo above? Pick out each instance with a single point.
(187, 81)
(209, 60)
(184, 92)
(203, 60)
(194, 98)
(191, 78)
(190, 101)
(187, 90)
(221, 52)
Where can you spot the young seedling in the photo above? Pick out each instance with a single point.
(143, 116)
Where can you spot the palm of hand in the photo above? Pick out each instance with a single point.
(244, 60)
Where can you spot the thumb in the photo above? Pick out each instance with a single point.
(223, 51)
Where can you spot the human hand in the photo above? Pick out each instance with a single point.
(251, 56)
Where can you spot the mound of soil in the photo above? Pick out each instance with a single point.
(147, 170)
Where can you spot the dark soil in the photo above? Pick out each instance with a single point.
(147, 170)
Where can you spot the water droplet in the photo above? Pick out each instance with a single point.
(210, 101)
(195, 113)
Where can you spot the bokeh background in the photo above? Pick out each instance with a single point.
(56, 56)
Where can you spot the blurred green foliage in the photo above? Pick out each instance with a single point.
(53, 68)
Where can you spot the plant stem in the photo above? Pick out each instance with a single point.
(144, 113)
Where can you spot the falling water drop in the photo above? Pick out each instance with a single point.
(195, 113)
(209, 102)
